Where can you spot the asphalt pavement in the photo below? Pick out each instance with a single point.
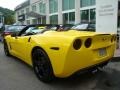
(16, 75)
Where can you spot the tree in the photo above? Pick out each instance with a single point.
(8, 14)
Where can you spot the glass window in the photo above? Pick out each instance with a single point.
(22, 12)
(65, 4)
(88, 15)
(65, 18)
(68, 4)
(34, 8)
(92, 2)
(34, 21)
(54, 19)
(18, 13)
(71, 4)
(26, 16)
(53, 5)
(69, 18)
(84, 15)
(28, 22)
(42, 20)
(92, 15)
(27, 10)
(42, 7)
(85, 3)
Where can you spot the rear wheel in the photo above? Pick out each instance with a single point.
(6, 50)
(42, 66)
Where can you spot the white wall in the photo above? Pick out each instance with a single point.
(106, 16)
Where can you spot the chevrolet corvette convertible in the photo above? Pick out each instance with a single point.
(58, 53)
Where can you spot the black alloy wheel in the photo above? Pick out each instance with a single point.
(42, 66)
(6, 50)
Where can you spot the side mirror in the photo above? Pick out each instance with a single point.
(13, 35)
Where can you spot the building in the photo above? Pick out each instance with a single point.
(55, 11)
(20, 15)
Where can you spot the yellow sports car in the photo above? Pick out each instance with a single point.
(54, 53)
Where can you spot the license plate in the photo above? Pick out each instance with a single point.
(102, 52)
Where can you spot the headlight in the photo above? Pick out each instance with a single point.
(88, 42)
(77, 44)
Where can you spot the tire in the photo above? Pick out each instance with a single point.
(42, 66)
(6, 50)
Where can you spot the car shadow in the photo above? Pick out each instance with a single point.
(106, 79)
(73, 82)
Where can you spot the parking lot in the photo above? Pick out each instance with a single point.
(15, 75)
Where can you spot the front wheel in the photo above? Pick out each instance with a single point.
(6, 50)
(42, 66)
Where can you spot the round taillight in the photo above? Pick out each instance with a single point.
(88, 42)
(77, 44)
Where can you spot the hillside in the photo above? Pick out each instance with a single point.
(9, 15)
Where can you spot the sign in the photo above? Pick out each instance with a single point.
(106, 16)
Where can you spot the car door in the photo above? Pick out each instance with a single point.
(19, 45)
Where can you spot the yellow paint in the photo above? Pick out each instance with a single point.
(66, 60)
